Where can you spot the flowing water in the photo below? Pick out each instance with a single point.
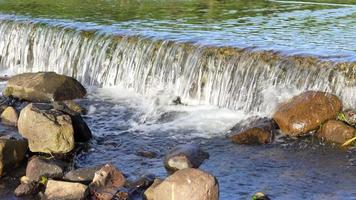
(228, 60)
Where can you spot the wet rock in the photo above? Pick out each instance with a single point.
(12, 152)
(184, 156)
(106, 183)
(72, 106)
(260, 131)
(38, 167)
(83, 175)
(146, 154)
(82, 132)
(44, 87)
(336, 131)
(192, 184)
(27, 189)
(9, 116)
(260, 196)
(306, 112)
(138, 186)
(149, 193)
(47, 130)
(60, 190)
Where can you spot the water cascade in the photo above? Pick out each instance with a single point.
(227, 77)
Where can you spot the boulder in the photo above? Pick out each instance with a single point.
(72, 106)
(192, 184)
(149, 193)
(306, 112)
(60, 190)
(9, 116)
(12, 152)
(106, 183)
(47, 130)
(138, 186)
(26, 189)
(259, 131)
(44, 87)
(82, 175)
(336, 131)
(184, 156)
(38, 167)
(260, 196)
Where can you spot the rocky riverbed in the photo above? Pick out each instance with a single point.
(58, 157)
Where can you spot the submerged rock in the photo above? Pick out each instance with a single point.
(336, 131)
(259, 131)
(47, 130)
(106, 183)
(260, 196)
(12, 152)
(192, 184)
(82, 175)
(60, 190)
(184, 156)
(44, 87)
(38, 167)
(9, 116)
(306, 112)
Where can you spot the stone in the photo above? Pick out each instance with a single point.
(260, 131)
(146, 154)
(12, 152)
(38, 167)
(44, 87)
(9, 116)
(73, 106)
(60, 190)
(184, 156)
(306, 112)
(106, 183)
(47, 130)
(190, 183)
(336, 131)
(82, 175)
(27, 189)
(138, 186)
(149, 193)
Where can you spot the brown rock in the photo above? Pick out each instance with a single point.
(349, 117)
(259, 131)
(59, 190)
(44, 87)
(47, 167)
(9, 116)
(12, 152)
(47, 130)
(336, 131)
(306, 112)
(184, 156)
(106, 183)
(192, 184)
(26, 189)
(149, 193)
(82, 175)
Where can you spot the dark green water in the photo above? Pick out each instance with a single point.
(321, 27)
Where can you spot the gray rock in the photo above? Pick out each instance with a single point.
(82, 175)
(49, 168)
(184, 156)
(27, 189)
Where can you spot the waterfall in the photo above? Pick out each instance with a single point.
(223, 76)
